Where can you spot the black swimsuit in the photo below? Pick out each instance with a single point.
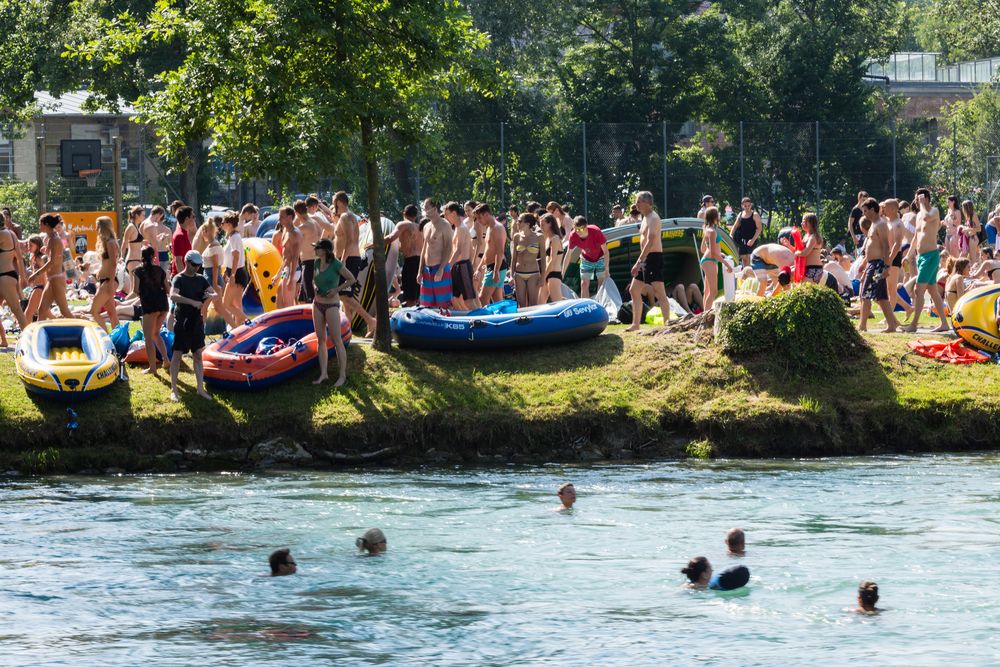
(138, 239)
(9, 274)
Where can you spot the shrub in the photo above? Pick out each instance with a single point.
(807, 326)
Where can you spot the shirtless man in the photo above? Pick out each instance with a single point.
(55, 284)
(411, 242)
(928, 224)
(289, 239)
(346, 249)
(463, 289)
(307, 253)
(766, 261)
(321, 215)
(648, 268)
(492, 261)
(435, 271)
(157, 235)
(478, 233)
(249, 221)
(897, 240)
(875, 266)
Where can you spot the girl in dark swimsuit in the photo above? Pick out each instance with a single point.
(107, 248)
(35, 245)
(132, 240)
(11, 277)
(552, 233)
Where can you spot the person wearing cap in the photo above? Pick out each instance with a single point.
(329, 277)
(282, 563)
(373, 542)
(190, 291)
(736, 541)
(707, 202)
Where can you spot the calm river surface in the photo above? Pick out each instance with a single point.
(480, 571)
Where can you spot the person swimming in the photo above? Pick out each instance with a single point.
(698, 572)
(282, 563)
(736, 542)
(373, 542)
(567, 496)
(867, 597)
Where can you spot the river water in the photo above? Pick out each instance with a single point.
(164, 570)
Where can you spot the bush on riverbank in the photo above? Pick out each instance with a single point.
(807, 326)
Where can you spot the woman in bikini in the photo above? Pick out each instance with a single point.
(552, 233)
(555, 209)
(326, 307)
(107, 248)
(132, 241)
(813, 249)
(206, 241)
(526, 250)
(35, 245)
(954, 286)
(970, 231)
(711, 256)
(952, 221)
(52, 269)
(11, 278)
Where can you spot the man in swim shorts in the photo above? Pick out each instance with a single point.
(346, 247)
(435, 271)
(289, 239)
(766, 261)
(494, 260)
(897, 251)
(411, 243)
(282, 563)
(463, 289)
(594, 256)
(158, 235)
(928, 224)
(876, 268)
(648, 268)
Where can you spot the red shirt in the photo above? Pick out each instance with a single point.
(180, 243)
(590, 247)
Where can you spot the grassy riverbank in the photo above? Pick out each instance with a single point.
(619, 396)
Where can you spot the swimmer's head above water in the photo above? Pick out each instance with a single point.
(373, 542)
(698, 572)
(736, 541)
(567, 495)
(282, 563)
(867, 597)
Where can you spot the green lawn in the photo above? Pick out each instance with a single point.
(622, 394)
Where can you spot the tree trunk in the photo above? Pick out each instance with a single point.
(383, 337)
(189, 179)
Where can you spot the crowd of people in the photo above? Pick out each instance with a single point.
(698, 572)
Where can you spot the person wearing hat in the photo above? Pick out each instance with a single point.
(329, 277)
(707, 202)
(190, 291)
(373, 542)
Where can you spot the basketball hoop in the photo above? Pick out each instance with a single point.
(91, 176)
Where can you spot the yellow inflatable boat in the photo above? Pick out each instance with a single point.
(67, 359)
(263, 263)
(975, 318)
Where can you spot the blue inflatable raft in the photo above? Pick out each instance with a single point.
(559, 322)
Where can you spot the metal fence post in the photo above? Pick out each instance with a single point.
(586, 213)
(416, 171)
(40, 171)
(819, 204)
(116, 177)
(894, 157)
(742, 181)
(954, 158)
(664, 169)
(503, 172)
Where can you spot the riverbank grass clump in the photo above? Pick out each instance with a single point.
(807, 328)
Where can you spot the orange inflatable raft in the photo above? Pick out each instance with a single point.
(271, 348)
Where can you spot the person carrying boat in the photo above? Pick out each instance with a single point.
(411, 243)
(493, 260)
(346, 246)
(594, 256)
(329, 278)
(648, 268)
(435, 271)
(190, 292)
(766, 261)
(463, 289)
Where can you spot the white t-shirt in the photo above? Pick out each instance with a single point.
(234, 245)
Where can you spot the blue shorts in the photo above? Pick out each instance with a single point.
(591, 270)
(492, 281)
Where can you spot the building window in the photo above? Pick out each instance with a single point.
(6, 156)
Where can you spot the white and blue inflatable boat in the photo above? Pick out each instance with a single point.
(499, 325)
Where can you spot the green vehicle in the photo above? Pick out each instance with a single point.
(681, 254)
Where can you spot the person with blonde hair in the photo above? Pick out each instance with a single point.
(52, 269)
(132, 241)
(107, 250)
(969, 232)
(206, 241)
(234, 263)
(711, 256)
(36, 259)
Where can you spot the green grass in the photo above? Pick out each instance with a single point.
(624, 394)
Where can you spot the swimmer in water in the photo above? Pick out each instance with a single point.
(567, 496)
(282, 563)
(373, 542)
(698, 572)
(736, 542)
(867, 597)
